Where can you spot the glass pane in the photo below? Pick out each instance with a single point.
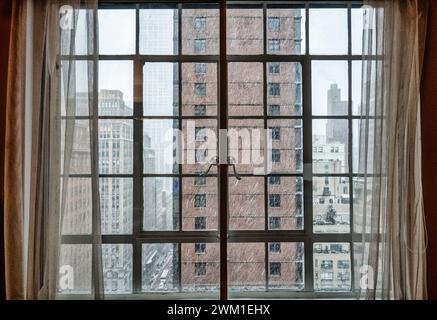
(116, 205)
(246, 267)
(75, 269)
(245, 31)
(115, 146)
(80, 159)
(286, 145)
(285, 31)
(117, 268)
(160, 267)
(332, 266)
(357, 30)
(246, 145)
(331, 209)
(328, 31)
(200, 267)
(115, 88)
(161, 204)
(160, 89)
(199, 89)
(329, 80)
(245, 87)
(246, 203)
(361, 163)
(199, 203)
(200, 145)
(284, 88)
(78, 92)
(330, 146)
(114, 39)
(78, 207)
(81, 38)
(159, 31)
(200, 31)
(356, 87)
(285, 203)
(286, 265)
(160, 146)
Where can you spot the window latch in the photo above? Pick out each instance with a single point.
(214, 162)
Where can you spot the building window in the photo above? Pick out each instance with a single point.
(276, 155)
(199, 110)
(275, 268)
(201, 155)
(200, 223)
(274, 68)
(274, 89)
(273, 23)
(274, 222)
(200, 247)
(276, 133)
(274, 110)
(200, 269)
(200, 133)
(200, 23)
(275, 247)
(275, 180)
(274, 200)
(327, 264)
(199, 46)
(327, 276)
(200, 201)
(274, 45)
(200, 68)
(199, 180)
(200, 89)
(343, 264)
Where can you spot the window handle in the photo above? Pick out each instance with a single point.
(231, 162)
(212, 162)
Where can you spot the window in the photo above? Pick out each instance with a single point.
(275, 180)
(274, 110)
(273, 23)
(200, 134)
(275, 247)
(275, 268)
(274, 45)
(200, 269)
(327, 264)
(200, 223)
(274, 89)
(200, 89)
(199, 110)
(199, 46)
(200, 248)
(274, 68)
(274, 222)
(200, 68)
(181, 84)
(275, 200)
(276, 155)
(276, 133)
(199, 180)
(200, 23)
(200, 201)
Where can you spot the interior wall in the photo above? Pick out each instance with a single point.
(429, 145)
(5, 26)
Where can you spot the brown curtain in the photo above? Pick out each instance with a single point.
(13, 171)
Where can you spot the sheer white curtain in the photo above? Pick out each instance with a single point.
(390, 247)
(64, 144)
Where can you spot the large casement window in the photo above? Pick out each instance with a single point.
(291, 69)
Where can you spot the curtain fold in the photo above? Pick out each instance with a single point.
(388, 209)
(13, 171)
